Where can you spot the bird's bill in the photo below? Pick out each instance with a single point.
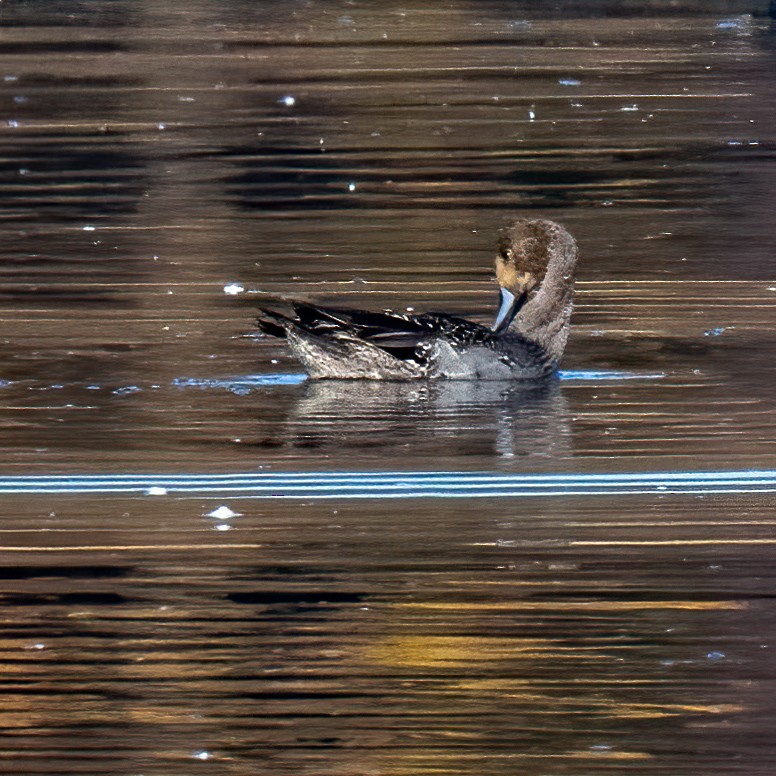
(509, 306)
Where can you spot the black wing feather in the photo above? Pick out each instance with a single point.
(360, 323)
(396, 333)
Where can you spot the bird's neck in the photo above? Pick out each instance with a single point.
(545, 318)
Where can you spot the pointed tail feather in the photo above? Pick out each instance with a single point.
(273, 323)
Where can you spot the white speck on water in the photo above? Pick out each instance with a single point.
(20, 99)
(126, 390)
(289, 101)
(531, 114)
(351, 186)
(410, 309)
(714, 656)
(39, 645)
(735, 142)
(89, 228)
(274, 361)
(233, 289)
(222, 527)
(629, 108)
(23, 171)
(10, 78)
(185, 99)
(716, 332)
(161, 125)
(223, 513)
(202, 755)
(733, 24)
(155, 490)
(13, 123)
(569, 82)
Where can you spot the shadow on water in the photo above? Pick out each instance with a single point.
(466, 418)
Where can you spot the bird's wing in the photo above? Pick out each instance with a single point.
(398, 334)
(395, 333)
(459, 332)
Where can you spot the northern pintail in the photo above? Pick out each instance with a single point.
(535, 274)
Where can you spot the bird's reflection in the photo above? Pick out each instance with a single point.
(445, 418)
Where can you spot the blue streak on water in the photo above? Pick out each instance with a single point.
(246, 383)
(592, 374)
(240, 385)
(382, 485)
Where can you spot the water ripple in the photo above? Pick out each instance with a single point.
(382, 485)
(246, 383)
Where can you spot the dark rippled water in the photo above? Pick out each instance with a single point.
(210, 564)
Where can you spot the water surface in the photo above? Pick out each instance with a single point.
(209, 562)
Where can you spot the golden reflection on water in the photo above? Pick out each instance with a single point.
(457, 651)
(576, 605)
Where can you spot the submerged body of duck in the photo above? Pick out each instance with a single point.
(535, 273)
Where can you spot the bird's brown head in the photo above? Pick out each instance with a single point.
(532, 254)
(523, 255)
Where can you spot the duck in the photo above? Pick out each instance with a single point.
(535, 267)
